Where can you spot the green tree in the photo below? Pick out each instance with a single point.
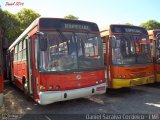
(70, 16)
(26, 17)
(9, 24)
(150, 25)
(14, 24)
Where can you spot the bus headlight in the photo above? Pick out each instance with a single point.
(42, 87)
(97, 82)
(57, 87)
(50, 87)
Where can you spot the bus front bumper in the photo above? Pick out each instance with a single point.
(157, 77)
(55, 96)
(119, 83)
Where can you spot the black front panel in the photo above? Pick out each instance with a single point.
(156, 33)
(51, 23)
(128, 29)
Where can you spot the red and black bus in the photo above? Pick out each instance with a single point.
(58, 59)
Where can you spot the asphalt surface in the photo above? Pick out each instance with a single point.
(136, 100)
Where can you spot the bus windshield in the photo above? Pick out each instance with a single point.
(158, 49)
(130, 49)
(71, 51)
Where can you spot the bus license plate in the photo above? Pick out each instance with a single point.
(100, 88)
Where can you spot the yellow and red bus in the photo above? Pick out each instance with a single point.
(58, 59)
(127, 56)
(155, 44)
(1, 69)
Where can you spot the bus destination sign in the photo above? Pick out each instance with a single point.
(127, 29)
(49, 23)
(76, 26)
(132, 30)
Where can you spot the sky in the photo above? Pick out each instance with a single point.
(102, 12)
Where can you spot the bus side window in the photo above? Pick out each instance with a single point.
(104, 49)
(158, 50)
(36, 51)
(15, 53)
(20, 51)
(24, 55)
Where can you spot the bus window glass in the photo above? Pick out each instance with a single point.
(20, 51)
(131, 49)
(24, 50)
(104, 44)
(58, 57)
(104, 49)
(36, 52)
(15, 53)
(68, 51)
(20, 46)
(24, 44)
(158, 50)
(89, 50)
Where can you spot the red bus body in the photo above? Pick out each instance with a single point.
(126, 71)
(47, 83)
(155, 51)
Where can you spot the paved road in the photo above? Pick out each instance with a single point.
(141, 99)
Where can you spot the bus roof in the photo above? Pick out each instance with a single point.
(120, 28)
(107, 27)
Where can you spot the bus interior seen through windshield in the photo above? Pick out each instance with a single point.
(70, 51)
(130, 49)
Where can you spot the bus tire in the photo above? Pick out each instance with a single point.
(25, 89)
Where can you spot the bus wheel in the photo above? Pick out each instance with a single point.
(25, 88)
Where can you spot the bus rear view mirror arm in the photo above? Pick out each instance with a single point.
(40, 33)
(43, 41)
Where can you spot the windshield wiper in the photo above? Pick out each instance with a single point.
(63, 38)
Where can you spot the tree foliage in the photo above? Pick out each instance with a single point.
(26, 17)
(70, 16)
(151, 24)
(14, 24)
(8, 24)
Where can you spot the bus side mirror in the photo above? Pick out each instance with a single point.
(43, 44)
